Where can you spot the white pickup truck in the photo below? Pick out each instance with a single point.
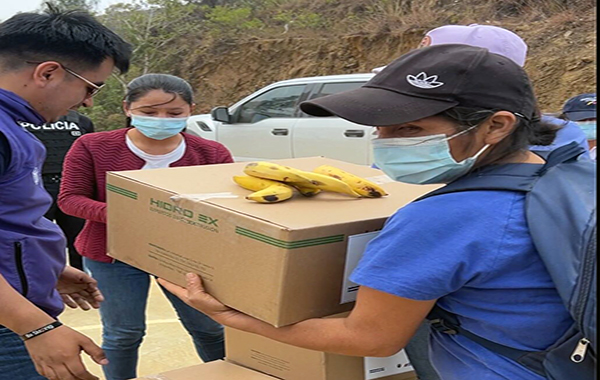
(270, 125)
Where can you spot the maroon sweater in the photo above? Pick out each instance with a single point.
(83, 185)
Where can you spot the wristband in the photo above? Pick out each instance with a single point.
(41, 330)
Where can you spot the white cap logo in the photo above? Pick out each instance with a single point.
(423, 81)
(589, 101)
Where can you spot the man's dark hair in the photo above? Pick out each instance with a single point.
(73, 38)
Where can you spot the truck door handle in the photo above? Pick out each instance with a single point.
(280, 132)
(354, 133)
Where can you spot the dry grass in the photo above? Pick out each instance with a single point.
(516, 7)
(365, 17)
(377, 16)
(563, 18)
(403, 13)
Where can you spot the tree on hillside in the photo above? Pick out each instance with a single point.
(161, 32)
(215, 3)
(73, 4)
(153, 27)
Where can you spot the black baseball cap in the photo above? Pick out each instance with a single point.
(581, 107)
(427, 81)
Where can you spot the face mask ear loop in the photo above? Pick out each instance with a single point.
(462, 132)
(476, 156)
(433, 137)
(455, 135)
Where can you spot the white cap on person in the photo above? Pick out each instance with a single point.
(496, 39)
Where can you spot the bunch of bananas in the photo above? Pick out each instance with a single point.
(273, 183)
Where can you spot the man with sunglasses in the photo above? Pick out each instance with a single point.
(57, 138)
(49, 64)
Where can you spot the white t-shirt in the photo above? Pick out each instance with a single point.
(593, 153)
(154, 161)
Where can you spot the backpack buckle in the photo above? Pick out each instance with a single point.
(441, 325)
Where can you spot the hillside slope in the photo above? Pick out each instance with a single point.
(562, 59)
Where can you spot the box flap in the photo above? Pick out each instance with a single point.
(297, 213)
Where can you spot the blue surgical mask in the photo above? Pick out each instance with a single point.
(421, 160)
(158, 128)
(589, 128)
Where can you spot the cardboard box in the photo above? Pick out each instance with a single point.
(281, 263)
(293, 363)
(217, 370)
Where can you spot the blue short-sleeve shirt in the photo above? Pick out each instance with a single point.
(472, 251)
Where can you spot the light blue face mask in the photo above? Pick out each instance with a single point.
(589, 128)
(158, 128)
(421, 160)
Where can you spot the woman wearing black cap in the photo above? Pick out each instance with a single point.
(442, 112)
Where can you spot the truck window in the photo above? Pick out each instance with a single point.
(334, 88)
(277, 103)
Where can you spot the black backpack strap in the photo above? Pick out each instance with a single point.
(510, 177)
(507, 177)
(566, 153)
(447, 323)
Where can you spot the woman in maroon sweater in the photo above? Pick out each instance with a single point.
(157, 106)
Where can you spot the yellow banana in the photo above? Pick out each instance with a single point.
(298, 178)
(256, 184)
(307, 191)
(360, 185)
(272, 194)
(269, 170)
(253, 183)
(327, 183)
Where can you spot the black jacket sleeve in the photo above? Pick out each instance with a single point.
(4, 154)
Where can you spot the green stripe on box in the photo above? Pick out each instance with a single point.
(288, 244)
(121, 191)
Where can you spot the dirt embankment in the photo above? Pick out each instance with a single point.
(561, 60)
